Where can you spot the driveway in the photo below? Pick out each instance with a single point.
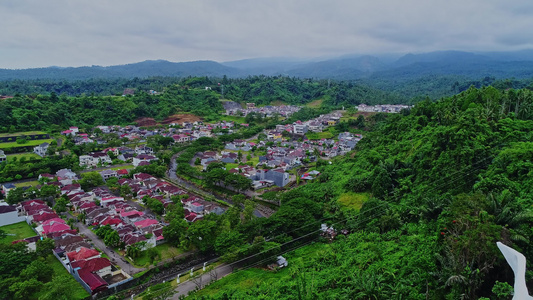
(115, 258)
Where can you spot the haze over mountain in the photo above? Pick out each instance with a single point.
(407, 67)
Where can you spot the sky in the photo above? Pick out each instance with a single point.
(65, 33)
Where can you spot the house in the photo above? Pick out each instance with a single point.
(6, 188)
(122, 172)
(41, 149)
(106, 174)
(93, 159)
(181, 138)
(195, 207)
(3, 157)
(9, 215)
(143, 150)
(300, 129)
(66, 174)
(278, 176)
(143, 158)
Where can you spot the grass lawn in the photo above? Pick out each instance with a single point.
(165, 251)
(236, 119)
(21, 230)
(28, 156)
(29, 183)
(319, 135)
(27, 144)
(315, 103)
(78, 291)
(230, 166)
(124, 167)
(254, 160)
(21, 133)
(353, 200)
(245, 279)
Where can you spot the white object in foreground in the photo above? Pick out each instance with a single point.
(517, 261)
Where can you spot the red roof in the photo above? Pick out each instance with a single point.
(92, 265)
(113, 221)
(44, 216)
(122, 172)
(60, 233)
(145, 223)
(55, 227)
(83, 253)
(95, 282)
(131, 213)
(56, 220)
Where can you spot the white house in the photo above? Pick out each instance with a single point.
(93, 159)
(2, 156)
(41, 149)
(9, 215)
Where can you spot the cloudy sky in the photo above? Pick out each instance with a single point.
(77, 33)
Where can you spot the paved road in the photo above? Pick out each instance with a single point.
(113, 256)
(184, 288)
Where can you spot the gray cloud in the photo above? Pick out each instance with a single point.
(74, 33)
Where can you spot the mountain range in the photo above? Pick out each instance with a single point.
(473, 65)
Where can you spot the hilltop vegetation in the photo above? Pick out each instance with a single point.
(447, 180)
(56, 111)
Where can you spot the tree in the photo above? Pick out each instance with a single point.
(15, 196)
(44, 247)
(125, 191)
(249, 208)
(61, 205)
(133, 251)
(176, 231)
(37, 270)
(23, 289)
(60, 288)
(112, 239)
(49, 190)
(204, 233)
(90, 180)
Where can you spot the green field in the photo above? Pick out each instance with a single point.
(20, 230)
(29, 143)
(21, 133)
(165, 251)
(28, 156)
(28, 183)
(124, 167)
(353, 200)
(236, 119)
(315, 103)
(245, 279)
(319, 135)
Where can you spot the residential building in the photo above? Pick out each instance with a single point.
(2, 156)
(143, 158)
(41, 149)
(300, 128)
(9, 215)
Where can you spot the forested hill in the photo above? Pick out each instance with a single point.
(434, 74)
(142, 69)
(439, 186)
(56, 110)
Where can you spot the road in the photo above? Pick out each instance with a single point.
(186, 287)
(113, 256)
